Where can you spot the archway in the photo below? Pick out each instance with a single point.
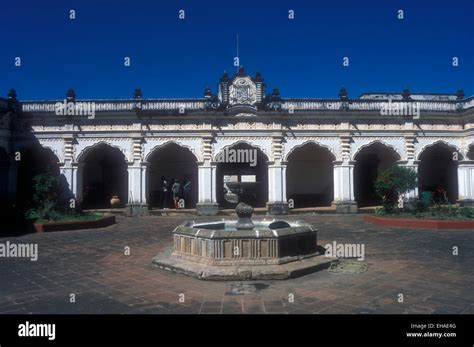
(104, 175)
(34, 161)
(4, 173)
(370, 162)
(470, 153)
(241, 168)
(309, 176)
(172, 163)
(438, 172)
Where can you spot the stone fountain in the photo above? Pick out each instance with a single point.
(244, 249)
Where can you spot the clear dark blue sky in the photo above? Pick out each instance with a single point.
(174, 58)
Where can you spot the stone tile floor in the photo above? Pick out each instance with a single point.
(92, 265)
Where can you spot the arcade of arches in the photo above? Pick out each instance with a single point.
(309, 172)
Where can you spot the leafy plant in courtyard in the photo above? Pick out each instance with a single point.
(45, 196)
(392, 183)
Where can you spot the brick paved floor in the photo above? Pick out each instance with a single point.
(91, 264)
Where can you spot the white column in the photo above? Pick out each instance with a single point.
(136, 185)
(67, 172)
(466, 182)
(144, 184)
(412, 194)
(207, 202)
(344, 187)
(277, 203)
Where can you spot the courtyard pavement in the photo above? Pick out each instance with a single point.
(92, 265)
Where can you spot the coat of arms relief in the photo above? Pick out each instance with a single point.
(242, 92)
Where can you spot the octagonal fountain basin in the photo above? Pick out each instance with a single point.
(244, 250)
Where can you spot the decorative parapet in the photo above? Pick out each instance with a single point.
(286, 105)
(121, 105)
(365, 105)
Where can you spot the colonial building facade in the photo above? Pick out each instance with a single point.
(310, 152)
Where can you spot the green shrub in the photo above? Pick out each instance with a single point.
(392, 183)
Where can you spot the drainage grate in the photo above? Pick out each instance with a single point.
(348, 266)
(246, 288)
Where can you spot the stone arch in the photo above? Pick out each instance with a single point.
(88, 149)
(470, 151)
(167, 162)
(438, 172)
(248, 179)
(310, 175)
(159, 146)
(35, 160)
(246, 142)
(304, 143)
(4, 177)
(370, 161)
(376, 141)
(103, 174)
(439, 142)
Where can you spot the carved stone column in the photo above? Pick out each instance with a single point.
(207, 202)
(410, 163)
(344, 200)
(69, 169)
(137, 203)
(277, 203)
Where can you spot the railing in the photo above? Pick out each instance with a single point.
(287, 105)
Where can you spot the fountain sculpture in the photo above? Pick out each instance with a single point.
(244, 249)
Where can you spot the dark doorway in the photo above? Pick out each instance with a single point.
(309, 176)
(172, 162)
(34, 161)
(370, 162)
(438, 173)
(249, 180)
(4, 173)
(104, 175)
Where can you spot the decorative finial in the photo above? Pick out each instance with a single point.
(12, 93)
(343, 93)
(137, 94)
(225, 76)
(71, 95)
(207, 92)
(406, 93)
(459, 94)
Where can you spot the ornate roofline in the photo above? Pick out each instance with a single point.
(102, 105)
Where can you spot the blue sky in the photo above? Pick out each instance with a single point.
(178, 58)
